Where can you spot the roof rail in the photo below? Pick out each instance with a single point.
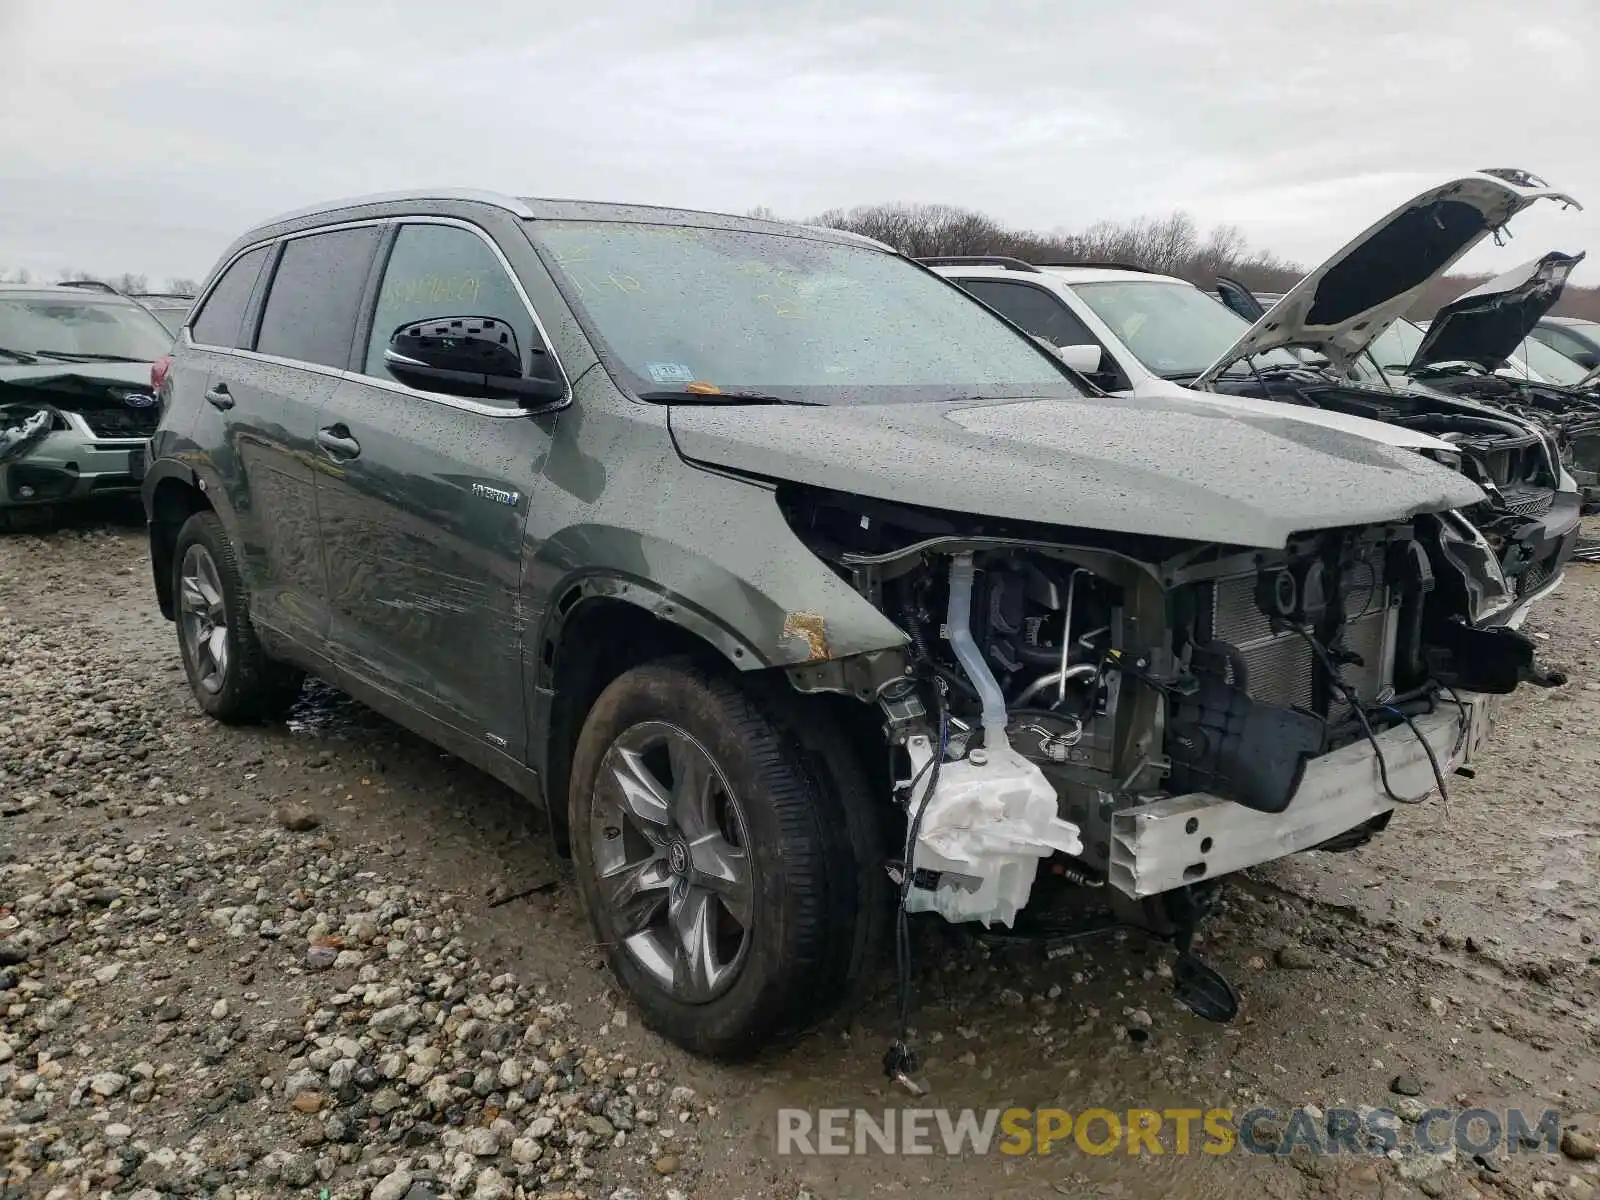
(93, 285)
(853, 236)
(162, 295)
(978, 260)
(510, 203)
(1104, 266)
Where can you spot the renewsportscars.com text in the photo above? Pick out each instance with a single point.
(1176, 1131)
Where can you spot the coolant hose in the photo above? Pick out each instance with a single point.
(959, 624)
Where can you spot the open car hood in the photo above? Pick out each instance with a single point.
(1486, 325)
(1155, 466)
(1339, 308)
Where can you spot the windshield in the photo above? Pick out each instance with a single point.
(1550, 363)
(68, 327)
(1394, 348)
(788, 317)
(1175, 330)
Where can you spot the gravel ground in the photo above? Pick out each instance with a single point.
(325, 958)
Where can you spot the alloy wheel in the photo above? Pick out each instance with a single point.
(203, 618)
(671, 860)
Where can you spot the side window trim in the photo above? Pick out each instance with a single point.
(277, 261)
(198, 307)
(369, 314)
(250, 327)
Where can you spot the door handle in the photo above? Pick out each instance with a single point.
(219, 397)
(336, 440)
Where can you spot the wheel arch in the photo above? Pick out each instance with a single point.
(601, 624)
(172, 494)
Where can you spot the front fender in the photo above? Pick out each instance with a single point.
(787, 610)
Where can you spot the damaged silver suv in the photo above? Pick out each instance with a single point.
(802, 587)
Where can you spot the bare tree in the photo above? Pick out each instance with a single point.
(1171, 244)
(182, 285)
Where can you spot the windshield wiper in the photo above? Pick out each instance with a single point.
(21, 356)
(81, 356)
(722, 397)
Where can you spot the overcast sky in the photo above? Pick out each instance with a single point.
(143, 137)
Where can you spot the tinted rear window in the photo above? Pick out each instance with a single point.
(223, 312)
(316, 293)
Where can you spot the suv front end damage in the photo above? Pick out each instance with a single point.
(1147, 715)
(1467, 352)
(1529, 517)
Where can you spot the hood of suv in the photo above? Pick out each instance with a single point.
(1339, 308)
(1486, 325)
(1154, 466)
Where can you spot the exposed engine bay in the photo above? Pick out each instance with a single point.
(109, 410)
(1059, 679)
(1571, 416)
(1517, 464)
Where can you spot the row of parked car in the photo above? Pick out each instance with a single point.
(808, 586)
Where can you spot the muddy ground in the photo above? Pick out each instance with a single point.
(327, 959)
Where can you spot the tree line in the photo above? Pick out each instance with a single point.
(1172, 245)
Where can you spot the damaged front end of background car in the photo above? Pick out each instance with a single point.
(1333, 316)
(76, 404)
(1469, 350)
(1146, 715)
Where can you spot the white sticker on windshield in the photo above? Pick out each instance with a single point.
(669, 372)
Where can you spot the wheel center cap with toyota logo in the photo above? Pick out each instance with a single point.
(678, 857)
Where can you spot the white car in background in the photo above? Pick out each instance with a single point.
(1139, 333)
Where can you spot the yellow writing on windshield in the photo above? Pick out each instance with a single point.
(432, 289)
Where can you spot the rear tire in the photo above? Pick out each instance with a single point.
(231, 676)
(716, 861)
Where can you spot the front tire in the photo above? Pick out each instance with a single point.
(715, 861)
(229, 673)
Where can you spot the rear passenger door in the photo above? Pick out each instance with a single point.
(425, 498)
(299, 342)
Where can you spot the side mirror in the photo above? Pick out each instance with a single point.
(1084, 359)
(472, 357)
